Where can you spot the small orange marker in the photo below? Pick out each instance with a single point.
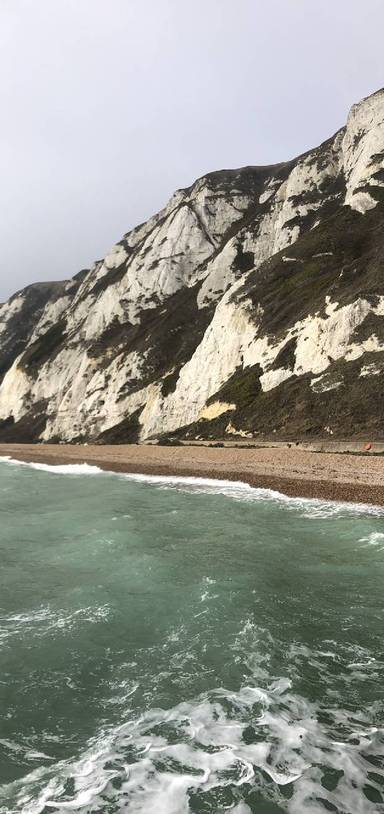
(368, 447)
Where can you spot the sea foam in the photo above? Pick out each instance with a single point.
(265, 739)
(313, 508)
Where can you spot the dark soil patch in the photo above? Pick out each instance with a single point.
(169, 382)
(28, 429)
(244, 261)
(110, 278)
(286, 356)
(293, 410)
(22, 324)
(241, 389)
(126, 432)
(289, 292)
(168, 334)
(373, 325)
(44, 349)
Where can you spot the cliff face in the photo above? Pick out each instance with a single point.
(252, 304)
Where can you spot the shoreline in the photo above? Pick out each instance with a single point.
(292, 472)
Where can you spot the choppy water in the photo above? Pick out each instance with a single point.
(171, 647)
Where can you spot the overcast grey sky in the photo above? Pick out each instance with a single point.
(108, 106)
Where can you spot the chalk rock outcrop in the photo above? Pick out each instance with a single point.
(252, 304)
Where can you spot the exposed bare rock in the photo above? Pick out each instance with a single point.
(252, 304)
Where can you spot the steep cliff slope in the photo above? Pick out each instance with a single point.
(252, 304)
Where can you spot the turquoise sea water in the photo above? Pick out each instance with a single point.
(173, 646)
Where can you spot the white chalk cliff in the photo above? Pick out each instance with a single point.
(252, 304)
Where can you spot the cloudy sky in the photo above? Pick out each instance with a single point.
(108, 106)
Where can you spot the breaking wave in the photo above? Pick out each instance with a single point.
(55, 469)
(215, 655)
(220, 747)
(314, 508)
